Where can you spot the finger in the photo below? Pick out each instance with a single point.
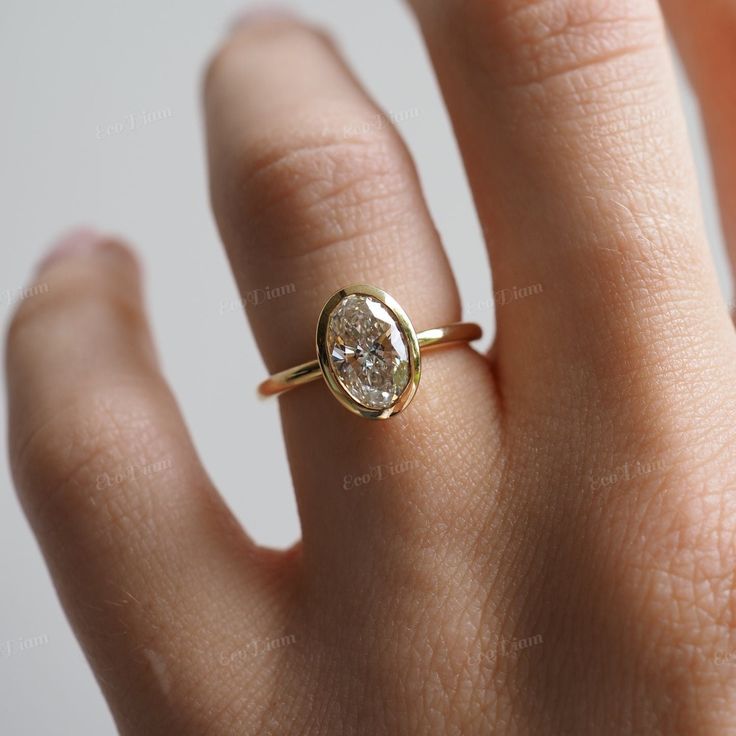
(141, 549)
(706, 37)
(567, 116)
(313, 190)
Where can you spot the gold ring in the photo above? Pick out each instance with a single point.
(368, 352)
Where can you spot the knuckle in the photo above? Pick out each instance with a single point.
(84, 461)
(79, 293)
(321, 174)
(544, 40)
(321, 190)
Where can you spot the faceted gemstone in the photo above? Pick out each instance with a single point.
(368, 351)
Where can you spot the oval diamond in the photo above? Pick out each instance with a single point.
(368, 351)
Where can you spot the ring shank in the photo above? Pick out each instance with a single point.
(311, 371)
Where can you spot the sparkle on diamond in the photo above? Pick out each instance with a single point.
(368, 351)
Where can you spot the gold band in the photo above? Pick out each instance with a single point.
(311, 370)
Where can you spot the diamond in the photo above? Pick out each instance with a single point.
(368, 351)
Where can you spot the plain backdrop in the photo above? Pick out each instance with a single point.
(73, 76)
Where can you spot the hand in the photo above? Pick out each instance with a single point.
(557, 555)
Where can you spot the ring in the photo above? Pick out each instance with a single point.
(368, 352)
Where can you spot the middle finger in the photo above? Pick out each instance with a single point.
(568, 118)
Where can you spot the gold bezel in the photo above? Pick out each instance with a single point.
(338, 391)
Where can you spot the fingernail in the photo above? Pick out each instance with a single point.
(262, 13)
(78, 242)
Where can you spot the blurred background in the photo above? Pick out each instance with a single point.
(102, 126)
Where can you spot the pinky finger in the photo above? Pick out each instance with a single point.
(140, 546)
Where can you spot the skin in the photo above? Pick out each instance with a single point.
(574, 492)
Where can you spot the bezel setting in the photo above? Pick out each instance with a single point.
(339, 391)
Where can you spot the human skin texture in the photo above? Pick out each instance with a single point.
(555, 552)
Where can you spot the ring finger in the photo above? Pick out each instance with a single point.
(313, 190)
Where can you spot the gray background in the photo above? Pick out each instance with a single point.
(69, 73)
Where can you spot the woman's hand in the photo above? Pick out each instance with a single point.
(554, 549)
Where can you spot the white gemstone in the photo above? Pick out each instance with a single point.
(368, 351)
